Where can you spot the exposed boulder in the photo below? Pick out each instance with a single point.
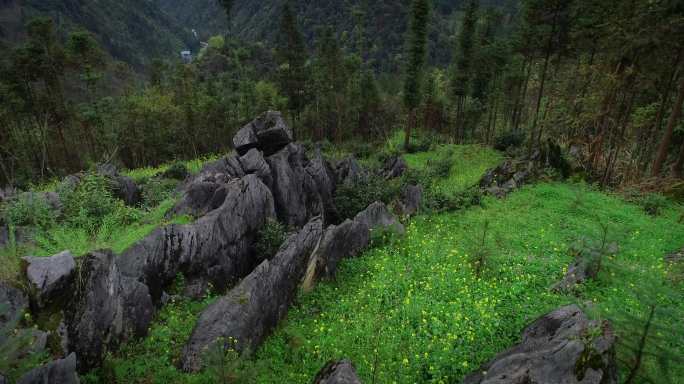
(339, 242)
(246, 315)
(107, 309)
(560, 347)
(394, 167)
(324, 176)
(123, 187)
(206, 191)
(337, 372)
(507, 177)
(253, 162)
(217, 247)
(6, 193)
(268, 132)
(13, 303)
(56, 372)
(378, 217)
(49, 276)
(296, 194)
(349, 172)
(586, 265)
(411, 200)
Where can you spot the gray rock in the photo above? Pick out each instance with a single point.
(411, 200)
(34, 341)
(253, 162)
(295, 192)
(378, 217)
(3, 380)
(123, 187)
(13, 303)
(268, 132)
(206, 191)
(507, 177)
(586, 265)
(107, 309)
(349, 172)
(324, 177)
(56, 372)
(48, 277)
(346, 240)
(248, 313)
(395, 167)
(337, 372)
(217, 247)
(556, 348)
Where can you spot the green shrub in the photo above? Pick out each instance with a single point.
(352, 199)
(653, 203)
(29, 209)
(508, 140)
(270, 238)
(86, 204)
(157, 190)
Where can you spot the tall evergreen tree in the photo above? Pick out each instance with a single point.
(464, 60)
(292, 57)
(227, 6)
(420, 12)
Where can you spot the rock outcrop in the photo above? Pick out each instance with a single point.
(268, 133)
(339, 242)
(244, 317)
(107, 309)
(49, 277)
(560, 347)
(378, 217)
(123, 186)
(507, 177)
(337, 372)
(324, 177)
(13, 303)
(296, 194)
(394, 167)
(218, 247)
(56, 372)
(586, 266)
(411, 200)
(349, 172)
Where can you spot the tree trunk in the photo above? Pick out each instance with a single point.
(677, 169)
(669, 130)
(409, 126)
(545, 68)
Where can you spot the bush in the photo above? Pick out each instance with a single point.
(439, 201)
(270, 238)
(653, 203)
(157, 190)
(508, 140)
(352, 199)
(29, 209)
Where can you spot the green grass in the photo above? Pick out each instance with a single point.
(193, 166)
(111, 234)
(469, 163)
(415, 312)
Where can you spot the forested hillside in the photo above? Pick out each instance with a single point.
(134, 32)
(376, 27)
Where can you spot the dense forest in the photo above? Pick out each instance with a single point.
(281, 191)
(603, 78)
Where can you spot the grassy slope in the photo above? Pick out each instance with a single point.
(412, 310)
(415, 310)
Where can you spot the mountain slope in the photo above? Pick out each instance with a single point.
(384, 22)
(132, 31)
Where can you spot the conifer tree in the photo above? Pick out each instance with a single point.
(463, 68)
(227, 6)
(292, 57)
(420, 11)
